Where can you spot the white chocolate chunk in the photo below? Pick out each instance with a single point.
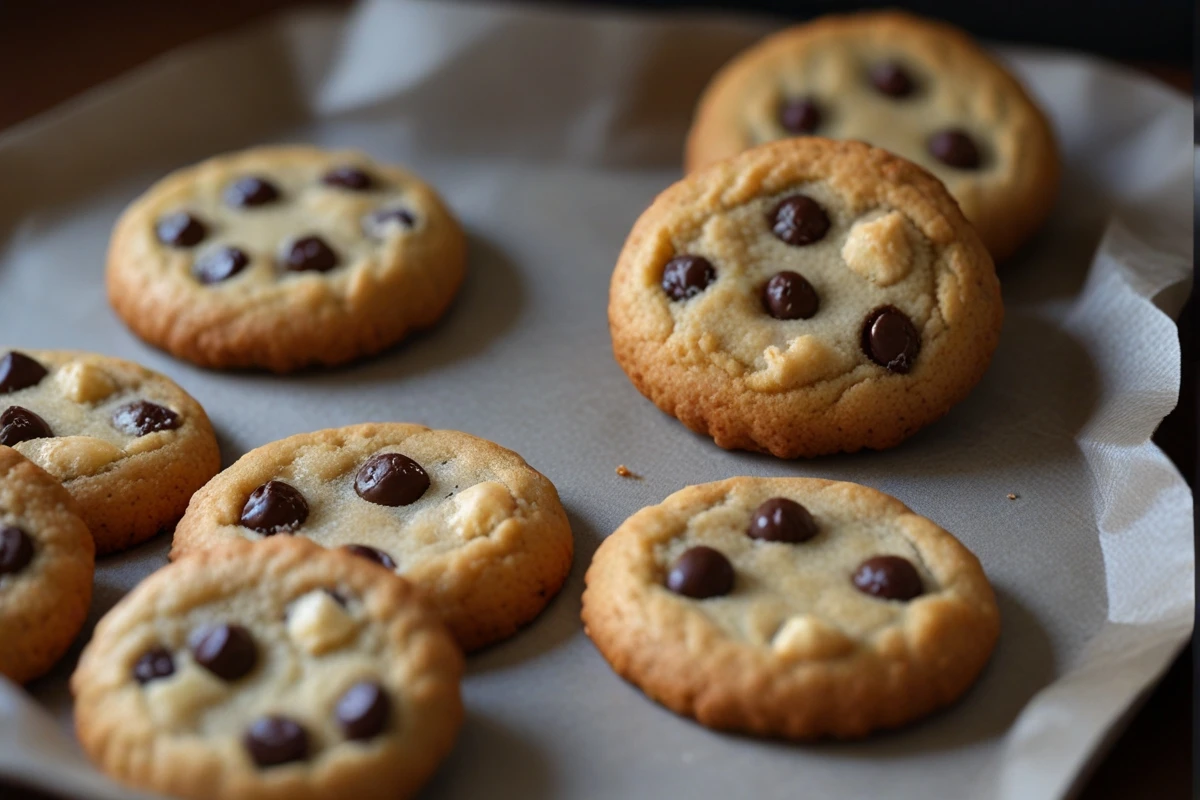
(481, 508)
(880, 250)
(806, 637)
(84, 383)
(318, 623)
(806, 361)
(67, 457)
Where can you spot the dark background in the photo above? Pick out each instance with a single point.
(51, 50)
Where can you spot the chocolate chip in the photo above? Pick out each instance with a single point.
(799, 115)
(226, 651)
(788, 295)
(310, 254)
(251, 191)
(275, 740)
(16, 549)
(799, 220)
(141, 417)
(180, 229)
(19, 371)
(890, 339)
(20, 425)
(363, 710)
(274, 507)
(782, 520)
(955, 148)
(889, 577)
(154, 664)
(338, 597)
(687, 276)
(371, 554)
(892, 79)
(701, 572)
(219, 265)
(391, 479)
(351, 178)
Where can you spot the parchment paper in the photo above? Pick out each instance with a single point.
(548, 132)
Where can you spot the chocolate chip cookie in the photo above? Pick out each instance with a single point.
(479, 531)
(284, 257)
(921, 89)
(46, 564)
(128, 444)
(790, 607)
(270, 670)
(805, 297)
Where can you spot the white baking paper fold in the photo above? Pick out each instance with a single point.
(549, 132)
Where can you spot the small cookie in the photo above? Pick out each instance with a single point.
(478, 530)
(128, 444)
(921, 89)
(270, 670)
(284, 257)
(46, 565)
(805, 297)
(790, 607)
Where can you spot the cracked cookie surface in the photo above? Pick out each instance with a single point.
(790, 607)
(284, 257)
(805, 297)
(918, 88)
(478, 530)
(46, 566)
(276, 669)
(128, 444)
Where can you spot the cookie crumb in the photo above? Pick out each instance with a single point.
(1012, 496)
(625, 472)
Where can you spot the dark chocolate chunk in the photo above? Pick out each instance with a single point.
(141, 417)
(892, 79)
(274, 507)
(955, 148)
(362, 711)
(19, 371)
(351, 178)
(888, 577)
(782, 520)
(154, 664)
(180, 229)
(276, 740)
(391, 479)
(251, 191)
(687, 276)
(19, 424)
(799, 115)
(310, 254)
(789, 295)
(701, 572)
(16, 549)
(890, 339)
(371, 554)
(799, 220)
(227, 651)
(219, 265)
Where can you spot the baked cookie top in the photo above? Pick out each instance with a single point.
(481, 532)
(918, 88)
(103, 426)
(270, 670)
(790, 607)
(284, 256)
(46, 564)
(805, 297)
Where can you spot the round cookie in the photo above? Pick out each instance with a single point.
(790, 607)
(46, 565)
(284, 257)
(479, 531)
(270, 670)
(805, 297)
(128, 444)
(921, 89)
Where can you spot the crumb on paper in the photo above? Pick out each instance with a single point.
(625, 472)
(1012, 496)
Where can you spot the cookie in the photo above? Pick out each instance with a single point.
(284, 257)
(805, 297)
(921, 89)
(790, 607)
(270, 670)
(46, 565)
(128, 444)
(478, 530)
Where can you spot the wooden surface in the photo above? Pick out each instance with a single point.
(55, 49)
